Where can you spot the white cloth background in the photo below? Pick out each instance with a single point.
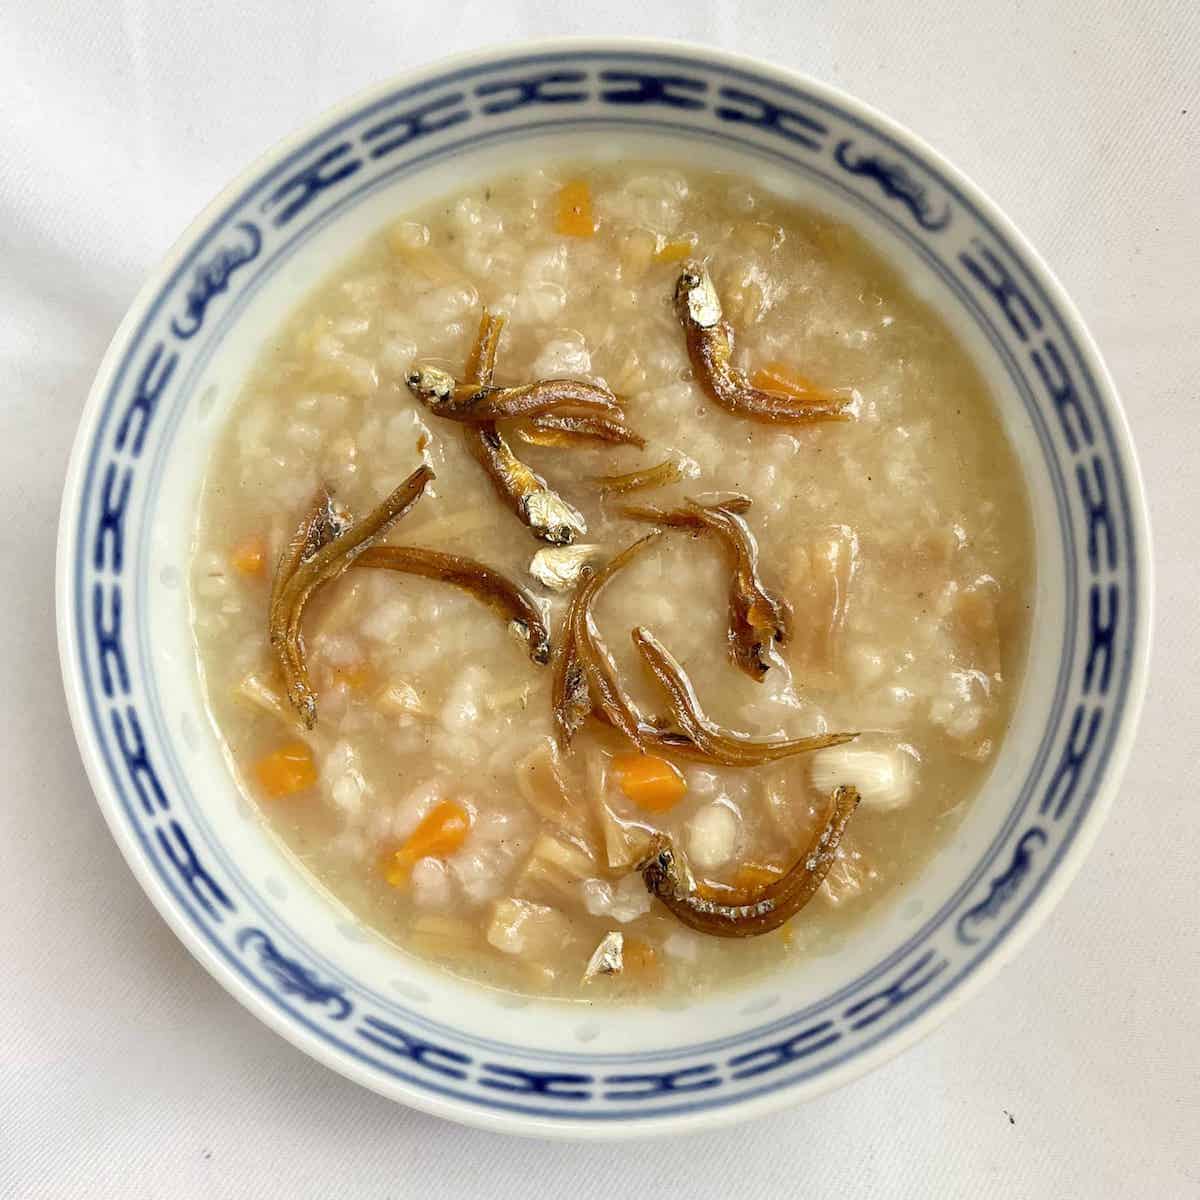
(126, 1072)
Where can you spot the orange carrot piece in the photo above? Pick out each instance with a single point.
(575, 210)
(249, 556)
(675, 251)
(650, 782)
(286, 771)
(440, 834)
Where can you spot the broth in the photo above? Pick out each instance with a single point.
(900, 539)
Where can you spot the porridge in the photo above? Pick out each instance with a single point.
(612, 581)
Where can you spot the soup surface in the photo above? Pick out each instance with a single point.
(431, 796)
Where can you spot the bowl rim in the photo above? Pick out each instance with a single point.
(871, 1056)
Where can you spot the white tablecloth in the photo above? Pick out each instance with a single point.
(125, 1071)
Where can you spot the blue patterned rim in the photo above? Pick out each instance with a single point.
(151, 376)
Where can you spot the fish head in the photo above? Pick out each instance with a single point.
(696, 299)
(658, 867)
(431, 384)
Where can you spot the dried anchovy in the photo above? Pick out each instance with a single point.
(684, 518)
(547, 515)
(476, 399)
(541, 509)
(556, 429)
(718, 745)
(605, 691)
(757, 619)
(312, 571)
(571, 696)
(757, 912)
(710, 348)
(584, 680)
(585, 684)
(481, 360)
(454, 401)
(512, 602)
(666, 472)
(319, 526)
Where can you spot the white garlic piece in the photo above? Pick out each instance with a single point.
(885, 778)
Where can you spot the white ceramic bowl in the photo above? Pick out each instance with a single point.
(263, 928)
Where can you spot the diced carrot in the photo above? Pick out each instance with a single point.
(575, 210)
(443, 830)
(286, 771)
(779, 377)
(650, 782)
(249, 556)
(675, 250)
(356, 676)
(753, 877)
(638, 957)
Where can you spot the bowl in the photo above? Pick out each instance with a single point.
(263, 928)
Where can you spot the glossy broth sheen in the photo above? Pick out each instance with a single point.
(900, 538)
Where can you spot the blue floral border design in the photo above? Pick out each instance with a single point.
(763, 117)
